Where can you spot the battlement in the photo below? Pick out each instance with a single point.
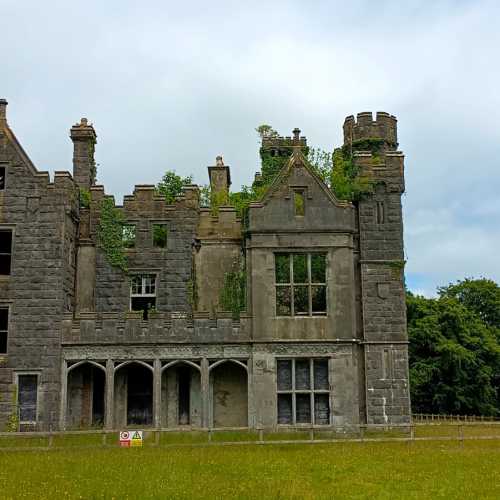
(223, 226)
(365, 127)
(161, 327)
(279, 142)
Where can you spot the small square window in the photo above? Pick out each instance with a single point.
(160, 233)
(128, 235)
(2, 178)
(299, 202)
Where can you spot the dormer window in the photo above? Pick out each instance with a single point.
(2, 178)
(299, 202)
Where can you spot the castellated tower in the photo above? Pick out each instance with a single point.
(381, 266)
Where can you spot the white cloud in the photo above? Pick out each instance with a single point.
(172, 85)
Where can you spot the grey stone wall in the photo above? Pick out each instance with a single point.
(43, 216)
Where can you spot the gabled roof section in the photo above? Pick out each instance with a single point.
(297, 158)
(11, 137)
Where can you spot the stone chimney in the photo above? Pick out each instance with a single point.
(84, 139)
(3, 111)
(220, 176)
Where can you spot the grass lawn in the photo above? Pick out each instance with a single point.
(340, 470)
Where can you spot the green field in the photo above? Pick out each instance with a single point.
(430, 469)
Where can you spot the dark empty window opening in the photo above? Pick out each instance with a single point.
(4, 328)
(184, 395)
(2, 178)
(27, 397)
(160, 233)
(303, 391)
(5, 251)
(299, 202)
(300, 284)
(143, 293)
(380, 212)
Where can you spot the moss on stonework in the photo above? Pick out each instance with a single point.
(110, 234)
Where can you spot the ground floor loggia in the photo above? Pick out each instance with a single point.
(196, 393)
(211, 386)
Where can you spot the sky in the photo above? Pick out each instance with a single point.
(171, 85)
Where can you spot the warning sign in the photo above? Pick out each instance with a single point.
(131, 438)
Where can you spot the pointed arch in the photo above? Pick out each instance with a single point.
(228, 360)
(180, 362)
(86, 361)
(134, 361)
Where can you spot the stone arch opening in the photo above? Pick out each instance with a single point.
(181, 402)
(86, 395)
(133, 394)
(229, 390)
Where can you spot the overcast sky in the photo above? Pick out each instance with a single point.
(170, 85)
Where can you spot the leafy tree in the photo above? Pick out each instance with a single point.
(454, 357)
(171, 185)
(266, 131)
(481, 296)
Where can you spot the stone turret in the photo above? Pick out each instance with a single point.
(84, 139)
(365, 127)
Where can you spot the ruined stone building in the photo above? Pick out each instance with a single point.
(322, 339)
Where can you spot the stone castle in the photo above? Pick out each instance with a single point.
(321, 340)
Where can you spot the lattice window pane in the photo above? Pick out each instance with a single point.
(321, 409)
(318, 268)
(301, 300)
(285, 409)
(282, 267)
(300, 274)
(303, 408)
(318, 299)
(302, 374)
(321, 375)
(283, 301)
(284, 375)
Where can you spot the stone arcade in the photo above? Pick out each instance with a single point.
(322, 341)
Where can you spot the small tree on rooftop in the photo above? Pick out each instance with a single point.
(171, 185)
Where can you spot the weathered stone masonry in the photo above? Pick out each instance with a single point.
(323, 338)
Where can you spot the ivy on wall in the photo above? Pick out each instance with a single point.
(110, 234)
(233, 293)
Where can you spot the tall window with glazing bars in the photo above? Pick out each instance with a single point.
(300, 280)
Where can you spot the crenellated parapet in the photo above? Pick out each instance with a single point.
(160, 327)
(365, 127)
(225, 225)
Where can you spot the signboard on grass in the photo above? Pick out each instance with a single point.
(131, 438)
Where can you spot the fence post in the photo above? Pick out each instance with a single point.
(461, 434)
(157, 437)
(51, 437)
(104, 438)
(311, 434)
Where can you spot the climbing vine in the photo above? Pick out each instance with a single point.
(233, 293)
(12, 424)
(84, 198)
(110, 234)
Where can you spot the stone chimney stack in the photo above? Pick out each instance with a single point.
(3, 111)
(220, 176)
(84, 139)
